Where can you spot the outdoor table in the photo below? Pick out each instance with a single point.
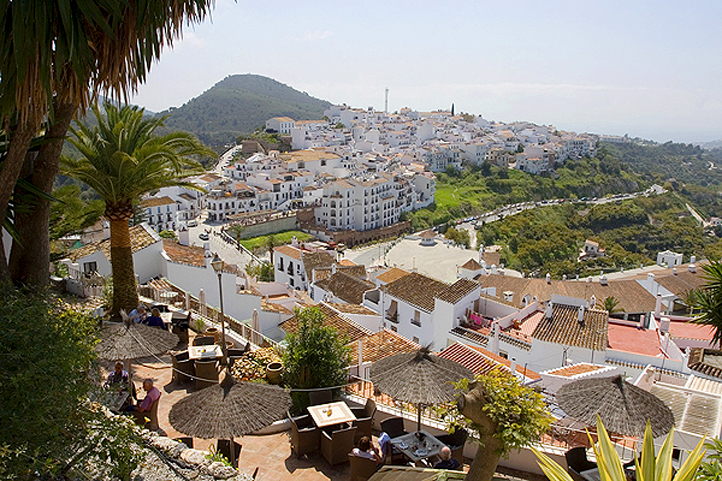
(113, 400)
(213, 351)
(167, 319)
(591, 474)
(331, 413)
(417, 447)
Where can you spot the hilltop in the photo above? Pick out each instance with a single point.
(239, 104)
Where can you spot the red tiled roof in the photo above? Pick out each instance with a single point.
(458, 290)
(575, 369)
(347, 288)
(471, 265)
(690, 330)
(563, 328)
(416, 289)
(345, 327)
(290, 251)
(391, 275)
(186, 254)
(481, 361)
(140, 238)
(157, 201)
(380, 345)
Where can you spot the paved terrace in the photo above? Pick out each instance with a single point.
(270, 453)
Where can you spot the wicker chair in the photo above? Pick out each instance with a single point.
(305, 436)
(361, 468)
(203, 341)
(364, 419)
(182, 367)
(456, 442)
(206, 373)
(148, 419)
(336, 445)
(393, 426)
(320, 397)
(577, 462)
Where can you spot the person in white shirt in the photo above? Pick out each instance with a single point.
(366, 449)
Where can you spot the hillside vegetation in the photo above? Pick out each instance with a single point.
(548, 239)
(480, 189)
(239, 104)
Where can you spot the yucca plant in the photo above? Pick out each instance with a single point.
(648, 467)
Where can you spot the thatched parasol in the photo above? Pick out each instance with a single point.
(129, 340)
(623, 407)
(229, 409)
(418, 377)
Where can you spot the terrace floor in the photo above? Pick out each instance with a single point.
(270, 453)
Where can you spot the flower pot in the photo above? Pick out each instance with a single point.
(273, 372)
(229, 344)
(213, 331)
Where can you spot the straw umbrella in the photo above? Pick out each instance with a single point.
(229, 409)
(129, 340)
(419, 377)
(623, 407)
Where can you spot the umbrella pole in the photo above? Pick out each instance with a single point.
(233, 454)
(418, 423)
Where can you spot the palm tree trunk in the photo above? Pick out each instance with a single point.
(30, 262)
(125, 295)
(485, 461)
(9, 173)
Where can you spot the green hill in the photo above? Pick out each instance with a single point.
(239, 104)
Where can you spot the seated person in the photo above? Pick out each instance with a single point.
(138, 314)
(118, 379)
(447, 462)
(366, 449)
(154, 320)
(152, 394)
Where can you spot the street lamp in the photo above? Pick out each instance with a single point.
(217, 264)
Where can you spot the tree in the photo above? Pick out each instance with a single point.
(121, 160)
(711, 469)
(56, 57)
(648, 467)
(263, 271)
(46, 364)
(236, 231)
(611, 304)
(503, 414)
(315, 356)
(709, 300)
(271, 242)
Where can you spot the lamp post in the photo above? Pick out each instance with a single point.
(217, 264)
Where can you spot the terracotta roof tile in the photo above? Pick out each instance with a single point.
(391, 275)
(192, 255)
(157, 201)
(471, 265)
(575, 369)
(682, 282)
(289, 251)
(345, 327)
(352, 309)
(416, 289)
(706, 361)
(382, 344)
(563, 328)
(482, 361)
(140, 238)
(315, 260)
(347, 288)
(458, 290)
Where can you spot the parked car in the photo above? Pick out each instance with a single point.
(203, 236)
(192, 223)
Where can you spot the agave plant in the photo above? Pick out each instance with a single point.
(648, 467)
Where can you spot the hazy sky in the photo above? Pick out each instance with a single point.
(651, 69)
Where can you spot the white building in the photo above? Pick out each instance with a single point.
(282, 125)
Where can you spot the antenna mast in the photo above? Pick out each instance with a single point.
(386, 103)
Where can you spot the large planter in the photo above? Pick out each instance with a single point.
(213, 331)
(273, 372)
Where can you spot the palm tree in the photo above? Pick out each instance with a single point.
(56, 57)
(709, 300)
(271, 242)
(611, 304)
(122, 160)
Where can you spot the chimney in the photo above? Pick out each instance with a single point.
(495, 337)
(692, 268)
(693, 259)
(549, 309)
(664, 325)
(580, 316)
(333, 269)
(509, 296)
(549, 278)
(650, 277)
(603, 280)
(512, 368)
(207, 255)
(593, 302)
(658, 306)
(674, 271)
(564, 277)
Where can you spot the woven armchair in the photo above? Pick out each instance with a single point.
(336, 445)
(364, 419)
(305, 436)
(206, 373)
(456, 442)
(362, 468)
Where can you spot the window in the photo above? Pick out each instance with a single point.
(417, 319)
(416, 339)
(90, 267)
(504, 354)
(394, 329)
